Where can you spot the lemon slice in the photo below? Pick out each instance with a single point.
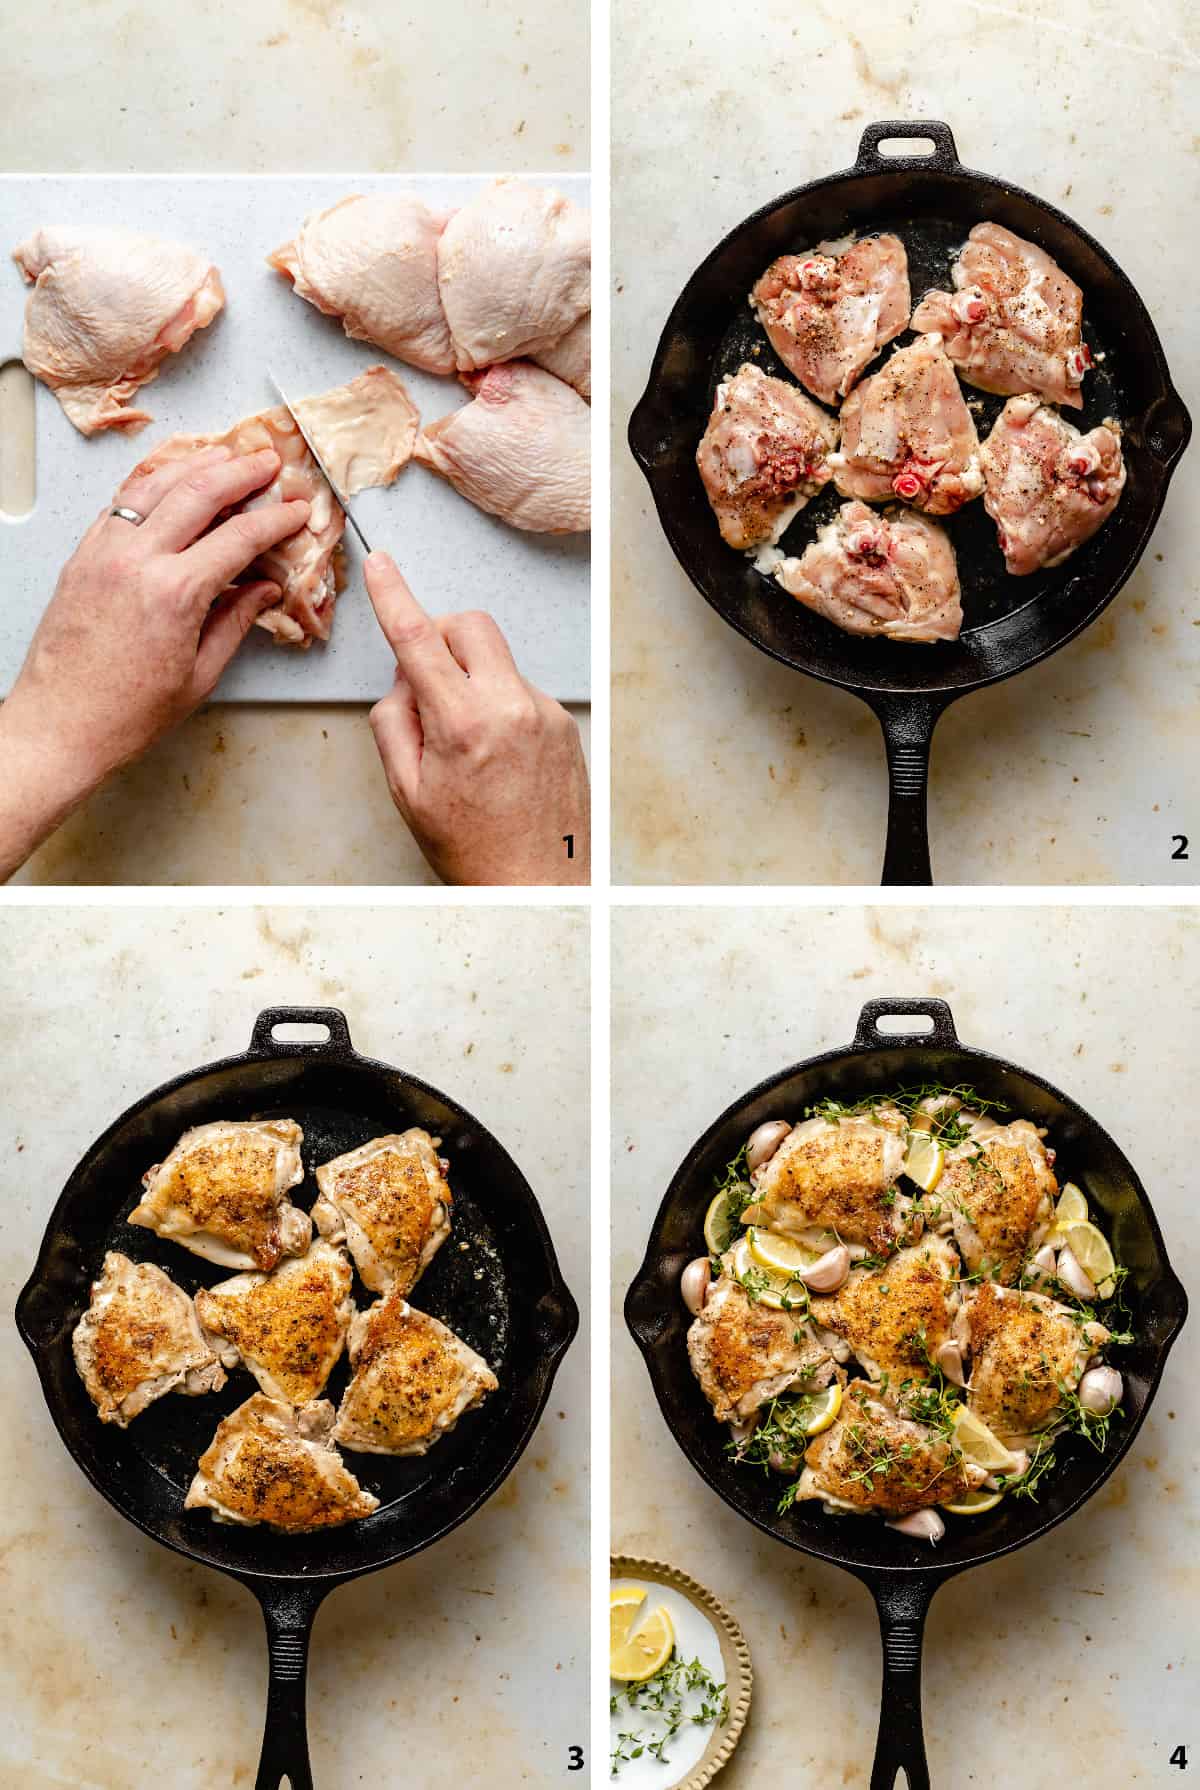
(644, 1652)
(825, 1407)
(765, 1286)
(974, 1439)
(1071, 1209)
(925, 1160)
(779, 1253)
(973, 1504)
(1091, 1251)
(623, 1605)
(720, 1225)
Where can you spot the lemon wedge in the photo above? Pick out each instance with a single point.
(1091, 1251)
(973, 1504)
(924, 1161)
(766, 1286)
(623, 1605)
(645, 1650)
(974, 1439)
(825, 1407)
(1071, 1209)
(720, 1225)
(779, 1253)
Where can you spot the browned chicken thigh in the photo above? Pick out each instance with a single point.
(893, 574)
(827, 314)
(389, 1202)
(745, 1353)
(763, 455)
(271, 1463)
(1026, 1352)
(223, 1193)
(897, 1317)
(138, 1340)
(875, 1459)
(288, 1327)
(413, 1379)
(907, 433)
(1047, 487)
(836, 1177)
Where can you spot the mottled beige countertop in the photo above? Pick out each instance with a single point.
(123, 1665)
(729, 768)
(1071, 1663)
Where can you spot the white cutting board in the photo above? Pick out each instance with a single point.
(454, 556)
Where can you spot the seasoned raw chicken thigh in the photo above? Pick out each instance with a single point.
(1047, 487)
(996, 1192)
(827, 315)
(223, 1193)
(893, 574)
(372, 261)
(875, 1459)
(1025, 1349)
(520, 450)
(1012, 323)
(515, 272)
(907, 432)
(763, 455)
(744, 1353)
(139, 1339)
(106, 309)
(413, 1379)
(288, 1327)
(389, 1202)
(269, 1463)
(897, 1317)
(839, 1177)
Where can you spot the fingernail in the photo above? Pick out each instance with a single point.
(379, 561)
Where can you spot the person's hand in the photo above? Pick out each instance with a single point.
(488, 773)
(140, 627)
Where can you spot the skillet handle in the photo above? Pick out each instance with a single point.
(288, 1610)
(869, 1037)
(907, 723)
(263, 1041)
(902, 1603)
(944, 154)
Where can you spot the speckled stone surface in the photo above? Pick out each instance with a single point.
(122, 1665)
(1073, 1661)
(729, 768)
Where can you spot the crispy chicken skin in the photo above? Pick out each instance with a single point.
(763, 455)
(1025, 1348)
(996, 1193)
(269, 1463)
(413, 1379)
(893, 575)
(907, 433)
(222, 1193)
(875, 1459)
(744, 1354)
(837, 1177)
(1013, 322)
(389, 1202)
(288, 1327)
(139, 1339)
(1048, 488)
(827, 315)
(894, 1318)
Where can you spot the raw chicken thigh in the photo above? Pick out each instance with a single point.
(907, 432)
(521, 450)
(827, 316)
(1047, 487)
(372, 261)
(106, 309)
(571, 357)
(366, 432)
(763, 455)
(893, 574)
(1012, 324)
(515, 273)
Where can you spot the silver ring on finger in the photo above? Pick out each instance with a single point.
(133, 516)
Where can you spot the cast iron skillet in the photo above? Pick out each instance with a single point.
(519, 1315)
(901, 1574)
(930, 202)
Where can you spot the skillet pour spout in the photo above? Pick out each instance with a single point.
(901, 1573)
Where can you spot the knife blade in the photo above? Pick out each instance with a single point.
(321, 466)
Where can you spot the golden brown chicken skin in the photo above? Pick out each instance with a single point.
(389, 1201)
(413, 1379)
(138, 1340)
(997, 1193)
(222, 1193)
(269, 1463)
(875, 1459)
(839, 1177)
(1026, 1350)
(288, 1327)
(745, 1353)
(895, 1318)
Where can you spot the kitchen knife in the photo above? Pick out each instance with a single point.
(321, 466)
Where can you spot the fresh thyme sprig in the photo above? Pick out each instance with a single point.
(666, 1695)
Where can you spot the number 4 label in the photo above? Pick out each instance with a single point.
(1179, 1757)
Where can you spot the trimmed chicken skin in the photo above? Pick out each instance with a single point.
(570, 358)
(106, 309)
(268, 1463)
(744, 1353)
(828, 315)
(139, 1339)
(389, 1202)
(907, 433)
(1047, 487)
(372, 261)
(366, 432)
(413, 1379)
(896, 1317)
(222, 1193)
(763, 455)
(515, 272)
(1012, 323)
(874, 1459)
(836, 1177)
(996, 1193)
(893, 575)
(1025, 1348)
(521, 450)
(288, 1327)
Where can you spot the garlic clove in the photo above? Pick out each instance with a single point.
(694, 1284)
(1072, 1276)
(924, 1525)
(1101, 1390)
(764, 1141)
(828, 1272)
